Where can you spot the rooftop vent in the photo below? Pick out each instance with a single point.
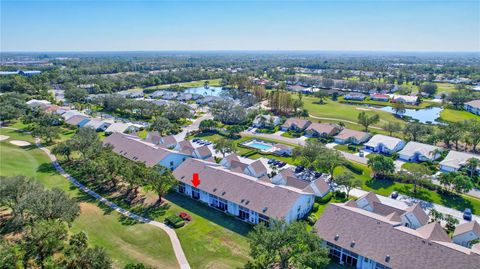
(264, 209)
(182, 177)
(223, 193)
(243, 200)
(387, 258)
(352, 244)
(247, 202)
(336, 237)
(215, 189)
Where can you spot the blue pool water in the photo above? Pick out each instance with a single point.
(260, 146)
(210, 91)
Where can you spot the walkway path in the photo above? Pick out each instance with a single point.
(177, 247)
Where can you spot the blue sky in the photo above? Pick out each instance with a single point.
(355, 25)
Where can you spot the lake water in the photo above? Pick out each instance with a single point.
(424, 115)
(210, 91)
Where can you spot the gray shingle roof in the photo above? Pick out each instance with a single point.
(377, 237)
(257, 195)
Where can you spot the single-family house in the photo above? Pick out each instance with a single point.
(419, 152)
(266, 121)
(243, 196)
(295, 124)
(185, 146)
(356, 96)
(287, 177)
(472, 107)
(97, 124)
(456, 160)
(38, 103)
(348, 136)
(380, 97)
(366, 239)
(120, 127)
(78, 120)
(405, 99)
(322, 130)
(71, 113)
(135, 149)
(256, 169)
(465, 233)
(384, 144)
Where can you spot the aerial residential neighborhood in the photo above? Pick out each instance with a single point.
(240, 134)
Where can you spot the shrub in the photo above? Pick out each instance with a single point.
(315, 207)
(325, 199)
(311, 219)
(175, 221)
(340, 195)
(185, 216)
(355, 169)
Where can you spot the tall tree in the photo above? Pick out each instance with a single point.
(87, 142)
(161, 180)
(415, 131)
(416, 175)
(285, 246)
(329, 159)
(399, 108)
(308, 154)
(348, 180)
(472, 166)
(381, 165)
(224, 146)
(162, 125)
(43, 239)
(365, 120)
(392, 127)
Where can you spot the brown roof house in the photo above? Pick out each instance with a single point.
(287, 177)
(467, 232)
(348, 136)
(227, 161)
(246, 197)
(321, 129)
(135, 149)
(256, 169)
(296, 124)
(366, 239)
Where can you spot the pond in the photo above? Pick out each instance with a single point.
(210, 91)
(424, 115)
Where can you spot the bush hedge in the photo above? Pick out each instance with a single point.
(175, 221)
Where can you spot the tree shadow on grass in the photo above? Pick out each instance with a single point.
(209, 213)
(46, 168)
(378, 184)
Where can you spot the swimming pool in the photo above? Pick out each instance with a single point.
(258, 145)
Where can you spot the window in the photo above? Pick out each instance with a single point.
(381, 266)
(181, 187)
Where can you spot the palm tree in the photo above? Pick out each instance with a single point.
(472, 165)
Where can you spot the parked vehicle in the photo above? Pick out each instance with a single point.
(467, 214)
(299, 169)
(394, 195)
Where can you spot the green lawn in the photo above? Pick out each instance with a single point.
(211, 240)
(453, 115)
(386, 187)
(191, 84)
(367, 101)
(445, 87)
(344, 147)
(125, 244)
(336, 110)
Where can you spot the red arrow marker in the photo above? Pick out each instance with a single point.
(195, 180)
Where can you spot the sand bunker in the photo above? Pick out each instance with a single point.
(4, 137)
(364, 109)
(20, 143)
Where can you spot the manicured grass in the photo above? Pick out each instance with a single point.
(212, 239)
(344, 147)
(336, 110)
(125, 244)
(445, 87)
(453, 115)
(191, 84)
(367, 101)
